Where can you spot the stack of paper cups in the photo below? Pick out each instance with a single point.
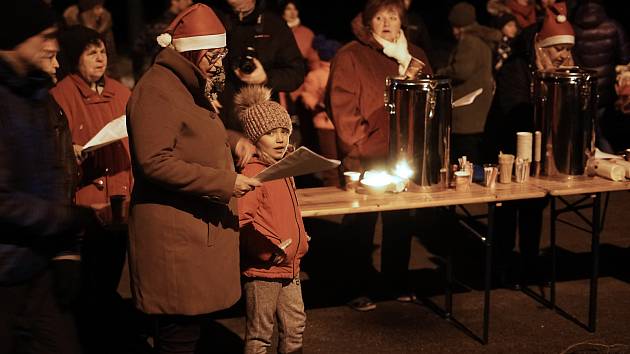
(524, 146)
(610, 170)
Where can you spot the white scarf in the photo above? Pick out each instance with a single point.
(294, 23)
(397, 50)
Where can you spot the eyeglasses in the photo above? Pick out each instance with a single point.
(215, 55)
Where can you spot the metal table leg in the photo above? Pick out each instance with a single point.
(488, 271)
(592, 305)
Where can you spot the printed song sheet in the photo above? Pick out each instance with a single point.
(112, 132)
(301, 162)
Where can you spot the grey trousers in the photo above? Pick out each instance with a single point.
(266, 300)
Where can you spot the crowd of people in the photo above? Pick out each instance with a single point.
(221, 92)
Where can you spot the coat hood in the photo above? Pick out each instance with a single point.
(187, 72)
(363, 33)
(489, 35)
(590, 15)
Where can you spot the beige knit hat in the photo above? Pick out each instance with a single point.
(258, 114)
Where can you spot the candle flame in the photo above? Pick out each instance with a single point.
(403, 170)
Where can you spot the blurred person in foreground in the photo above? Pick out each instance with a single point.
(39, 226)
(355, 103)
(183, 225)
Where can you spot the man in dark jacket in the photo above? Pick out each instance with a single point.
(37, 222)
(601, 44)
(277, 62)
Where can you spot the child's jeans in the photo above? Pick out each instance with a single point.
(267, 299)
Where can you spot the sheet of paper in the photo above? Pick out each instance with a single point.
(112, 132)
(301, 162)
(468, 98)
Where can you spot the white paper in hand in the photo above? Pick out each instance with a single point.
(468, 98)
(301, 162)
(112, 132)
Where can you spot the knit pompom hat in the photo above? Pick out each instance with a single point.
(258, 114)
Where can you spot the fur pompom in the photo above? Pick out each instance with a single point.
(251, 95)
(164, 40)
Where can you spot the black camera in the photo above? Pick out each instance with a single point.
(246, 62)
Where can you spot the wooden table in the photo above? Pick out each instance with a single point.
(335, 201)
(591, 188)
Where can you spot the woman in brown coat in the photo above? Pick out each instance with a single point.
(356, 106)
(183, 227)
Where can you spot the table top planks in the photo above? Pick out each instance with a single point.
(581, 185)
(334, 201)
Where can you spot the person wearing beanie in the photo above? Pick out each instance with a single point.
(470, 68)
(183, 224)
(90, 100)
(38, 221)
(273, 239)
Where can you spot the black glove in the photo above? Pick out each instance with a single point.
(66, 281)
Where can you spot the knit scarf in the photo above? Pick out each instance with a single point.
(397, 50)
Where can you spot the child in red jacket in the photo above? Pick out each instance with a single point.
(273, 239)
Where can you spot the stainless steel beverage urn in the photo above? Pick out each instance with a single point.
(565, 108)
(420, 130)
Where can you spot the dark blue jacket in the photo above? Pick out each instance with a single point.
(37, 220)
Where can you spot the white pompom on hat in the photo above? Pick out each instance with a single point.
(195, 28)
(556, 29)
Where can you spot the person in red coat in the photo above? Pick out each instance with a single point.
(355, 103)
(273, 239)
(90, 100)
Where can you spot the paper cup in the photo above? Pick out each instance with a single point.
(352, 180)
(506, 161)
(524, 145)
(462, 181)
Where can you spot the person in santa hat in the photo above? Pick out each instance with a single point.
(545, 46)
(183, 224)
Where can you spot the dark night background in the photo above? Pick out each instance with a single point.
(329, 17)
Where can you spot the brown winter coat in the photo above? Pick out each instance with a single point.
(269, 216)
(355, 98)
(183, 227)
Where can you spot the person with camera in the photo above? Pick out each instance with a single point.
(261, 51)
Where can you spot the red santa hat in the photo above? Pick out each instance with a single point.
(195, 28)
(556, 29)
